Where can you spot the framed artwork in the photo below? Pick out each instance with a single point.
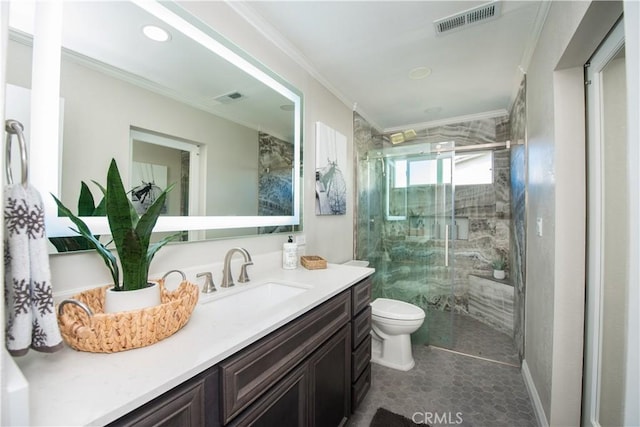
(148, 181)
(331, 161)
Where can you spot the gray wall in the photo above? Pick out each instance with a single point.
(542, 308)
(556, 184)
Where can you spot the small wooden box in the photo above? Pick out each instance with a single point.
(313, 262)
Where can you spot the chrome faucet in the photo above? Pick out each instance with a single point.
(227, 278)
(209, 286)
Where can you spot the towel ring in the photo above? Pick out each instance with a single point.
(14, 127)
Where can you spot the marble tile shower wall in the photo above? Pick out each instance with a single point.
(412, 268)
(518, 213)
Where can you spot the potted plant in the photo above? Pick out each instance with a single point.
(131, 235)
(499, 265)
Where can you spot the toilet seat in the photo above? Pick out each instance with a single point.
(396, 310)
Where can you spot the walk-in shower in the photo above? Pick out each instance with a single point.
(432, 216)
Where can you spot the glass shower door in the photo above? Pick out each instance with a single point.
(406, 216)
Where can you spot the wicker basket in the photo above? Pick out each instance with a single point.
(100, 332)
(313, 262)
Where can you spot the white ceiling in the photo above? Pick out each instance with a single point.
(364, 50)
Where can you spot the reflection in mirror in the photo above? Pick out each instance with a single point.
(159, 161)
(193, 111)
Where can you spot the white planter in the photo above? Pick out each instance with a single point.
(116, 301)
(499, 274)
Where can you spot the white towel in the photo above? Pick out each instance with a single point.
(30, 314)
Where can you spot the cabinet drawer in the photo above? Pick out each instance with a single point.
(360, 389)
(360, 296)
(246, 375)
(285, 405)
(361, 326)
(360, 358)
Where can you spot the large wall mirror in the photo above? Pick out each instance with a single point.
(193, 110)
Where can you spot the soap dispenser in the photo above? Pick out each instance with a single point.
(289, 255)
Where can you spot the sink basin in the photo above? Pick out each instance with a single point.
(246, 299)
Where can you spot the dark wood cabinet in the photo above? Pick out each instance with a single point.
(285, 405)
(330, 381)
(248, 374)
(360, 358)
(361, 341)
(191, 404)
(314, 371)
(257, 384)
(361, 387)
(316, 393)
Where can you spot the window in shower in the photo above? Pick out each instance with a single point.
(407, 175)
(474, 168)
(471, 169)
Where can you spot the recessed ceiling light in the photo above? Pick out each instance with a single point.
(156, 33)
(419, 73)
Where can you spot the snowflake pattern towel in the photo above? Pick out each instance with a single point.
(29, 311)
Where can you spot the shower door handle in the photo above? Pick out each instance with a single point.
(446, 245)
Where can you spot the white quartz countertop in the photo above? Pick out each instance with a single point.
(72, 388)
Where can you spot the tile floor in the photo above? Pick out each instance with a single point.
(467, 335)
(455, 389)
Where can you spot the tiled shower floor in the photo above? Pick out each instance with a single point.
(445, 384)
(467, 335)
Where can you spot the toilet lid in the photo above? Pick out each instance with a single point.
(394, 309)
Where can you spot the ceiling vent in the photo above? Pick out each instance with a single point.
(476, 15)
(230, 97)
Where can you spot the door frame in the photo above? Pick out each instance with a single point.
(610, 46)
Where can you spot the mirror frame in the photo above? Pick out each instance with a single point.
(48, 180)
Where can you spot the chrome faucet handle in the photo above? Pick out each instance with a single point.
(244, 277)
(208, 286)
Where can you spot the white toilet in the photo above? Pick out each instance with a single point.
(392, 322)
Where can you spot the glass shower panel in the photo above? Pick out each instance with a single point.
(409, 209)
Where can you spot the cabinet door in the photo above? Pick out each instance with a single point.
(330, 381)
(192, 404)
(284, 405)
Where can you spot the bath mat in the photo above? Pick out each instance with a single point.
(385, 418)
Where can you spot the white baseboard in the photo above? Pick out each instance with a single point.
(533, 394)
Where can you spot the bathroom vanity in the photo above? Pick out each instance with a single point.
(304, 361)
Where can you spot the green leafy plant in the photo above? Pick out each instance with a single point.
(131, 233)
(86, 207)
(499, 264)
